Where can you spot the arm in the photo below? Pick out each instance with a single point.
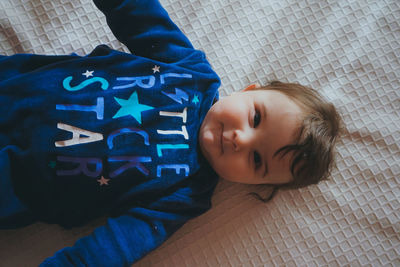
(125, 239)
(146, 29)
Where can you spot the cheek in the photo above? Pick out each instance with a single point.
(231, 167)
(229, 111)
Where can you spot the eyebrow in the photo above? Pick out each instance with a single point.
(266, 169)
(264, 116)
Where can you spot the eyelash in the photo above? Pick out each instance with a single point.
(256, 122)
(256, 118)
(257, 159)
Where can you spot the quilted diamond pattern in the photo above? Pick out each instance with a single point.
(347, 49)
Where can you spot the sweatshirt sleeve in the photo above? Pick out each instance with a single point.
(145, 28)
(126, 239)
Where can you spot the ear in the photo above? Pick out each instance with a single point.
(252, 87)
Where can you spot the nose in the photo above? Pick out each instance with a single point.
(238, 139)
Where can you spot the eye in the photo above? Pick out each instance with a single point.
(257, 159)
(257, 118)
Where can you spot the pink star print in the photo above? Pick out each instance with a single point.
(156, 69)
(103, 181)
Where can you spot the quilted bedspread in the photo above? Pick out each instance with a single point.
(349, 50)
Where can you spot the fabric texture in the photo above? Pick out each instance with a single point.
(13, 213)
(111, 133)
(346, 49)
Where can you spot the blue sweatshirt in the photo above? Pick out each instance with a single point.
(111, 134)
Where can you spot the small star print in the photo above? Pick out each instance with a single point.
(88, 73)
(103, 181)
(195, 99)
(52, 164)
(156, 69)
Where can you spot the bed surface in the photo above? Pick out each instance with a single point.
(348, 50)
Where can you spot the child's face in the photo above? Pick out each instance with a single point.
(241, 133)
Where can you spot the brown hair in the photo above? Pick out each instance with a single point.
(313, 150)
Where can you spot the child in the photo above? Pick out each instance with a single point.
(282, 135)
(132, 136)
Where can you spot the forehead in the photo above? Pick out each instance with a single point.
(270, 95)
(280, 128)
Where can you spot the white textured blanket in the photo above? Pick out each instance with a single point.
(347, 49)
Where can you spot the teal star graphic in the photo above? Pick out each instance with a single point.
(195, 99)
(52, 164)
(131, 107)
